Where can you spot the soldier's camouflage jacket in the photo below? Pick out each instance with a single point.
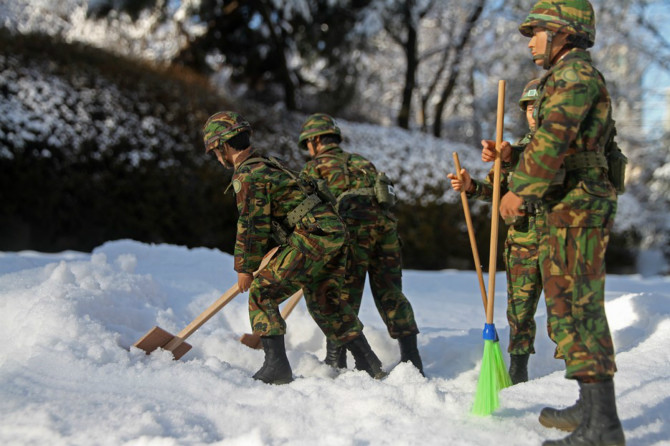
(571, 116)
(360, 173)
(265, 193)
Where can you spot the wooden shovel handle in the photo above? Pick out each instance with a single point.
(471, 231)
(496, 201)
(215, 307)
(290, 305)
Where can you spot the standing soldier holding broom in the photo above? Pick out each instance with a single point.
(524, 284)
(272, 201)
(564, 170)
(363, 203)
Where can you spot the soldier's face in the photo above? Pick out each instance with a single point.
(222, 156)
(311, 147)
(529, 116)
(538, 45)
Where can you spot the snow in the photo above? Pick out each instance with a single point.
(68, 378)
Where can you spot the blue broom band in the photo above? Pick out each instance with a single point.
(490, 333)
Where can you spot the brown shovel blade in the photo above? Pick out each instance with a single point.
(252, 340)
(159, 338)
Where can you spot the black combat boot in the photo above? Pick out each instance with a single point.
(518, 368)
(335, 356)
(276, 368)
(365, 358)
(600, 423)
(564, 419)
(409, 351)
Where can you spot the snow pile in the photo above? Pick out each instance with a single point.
(67, 376)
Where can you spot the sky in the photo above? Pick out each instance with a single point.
(69, 376)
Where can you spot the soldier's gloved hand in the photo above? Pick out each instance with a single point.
(489, 151)
(459, 185)
(244, 281)
(510, 205)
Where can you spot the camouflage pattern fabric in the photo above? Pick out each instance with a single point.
(571, 114)
(313, 259)
(375, 246)
(575, 17)
(524, 283)
(222, 126)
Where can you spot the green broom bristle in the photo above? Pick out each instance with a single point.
(492, 378)
(503, 379)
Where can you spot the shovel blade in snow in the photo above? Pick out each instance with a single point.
(252, 340)
(159, 338)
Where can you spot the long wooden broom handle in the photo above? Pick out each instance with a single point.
(215, 307)
(471, 231)
(496, 201)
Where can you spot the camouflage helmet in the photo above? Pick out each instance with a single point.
(222, 126)
(315, 125)
(574, 17)
(530, 94)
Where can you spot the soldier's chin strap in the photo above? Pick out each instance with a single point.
(546, 57)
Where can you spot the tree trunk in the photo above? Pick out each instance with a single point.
(279, 43)
(410, 75)
(454, 72)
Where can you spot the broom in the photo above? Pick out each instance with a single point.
(493, 375)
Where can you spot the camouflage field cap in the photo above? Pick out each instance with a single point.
(222, 126)
(530, 93)
(315, 125)
(574, 17)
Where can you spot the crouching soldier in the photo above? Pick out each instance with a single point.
(363, 204)
(312, 252)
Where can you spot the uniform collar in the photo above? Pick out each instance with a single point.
(332, 147)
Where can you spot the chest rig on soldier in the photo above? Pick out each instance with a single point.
(611, 158)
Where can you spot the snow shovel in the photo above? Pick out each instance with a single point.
(493, 374)
(253, 340)
(159, 338)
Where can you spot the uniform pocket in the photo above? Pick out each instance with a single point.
(577, 242)
(286, 264)
(307, 243)
(597, 188)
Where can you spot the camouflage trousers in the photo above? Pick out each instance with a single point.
(524, 282)
(375, 251)
(572, 260)
(319, 272)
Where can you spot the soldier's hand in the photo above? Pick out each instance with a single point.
(244, 281)
(459, 185)
(489, 151)
(510, 204)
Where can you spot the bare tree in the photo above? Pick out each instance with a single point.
(456, 57)
(402, 22)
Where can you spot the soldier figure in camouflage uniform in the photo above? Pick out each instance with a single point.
(375, 247)
(564, 168)
(524, 284)
(272, 201)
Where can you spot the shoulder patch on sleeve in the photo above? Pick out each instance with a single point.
(237, 186)
(570, 75)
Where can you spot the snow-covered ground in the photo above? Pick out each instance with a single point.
(67, 377)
